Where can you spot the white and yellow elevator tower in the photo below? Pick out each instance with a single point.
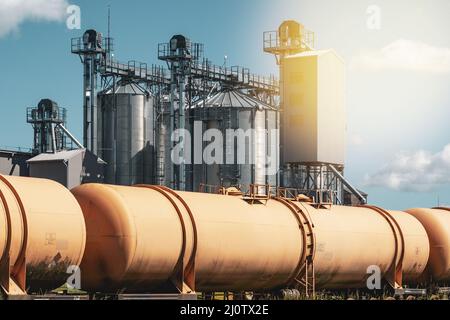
(313, 121)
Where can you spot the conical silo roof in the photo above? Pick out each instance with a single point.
(233, 99)
(126, 88)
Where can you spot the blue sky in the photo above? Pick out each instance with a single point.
(398, 102)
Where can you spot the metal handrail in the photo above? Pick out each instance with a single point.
(15, 149)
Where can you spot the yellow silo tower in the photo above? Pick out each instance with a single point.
(312, 105)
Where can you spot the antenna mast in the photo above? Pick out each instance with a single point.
(108, 41)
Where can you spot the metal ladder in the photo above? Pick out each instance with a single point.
(306, 277)
(305, 281)
(308, 280)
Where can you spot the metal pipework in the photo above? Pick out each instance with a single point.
(179, 53)
(350, 187)
(91, 53)
(90, 103)
(42, 233)
(181, 125)
(71, 136)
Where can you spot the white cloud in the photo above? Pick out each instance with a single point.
(418, 171)
(15, 12)
(406, 55)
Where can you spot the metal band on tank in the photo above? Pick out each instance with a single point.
(397, 231)
(20, 262)
(167, 193)
(190, 268)
(8, 229)
(441, 208)
(302, 262)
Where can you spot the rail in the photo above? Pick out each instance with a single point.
(261, 192)
(135, 70)
(139, 71)
(35, 115)
(235, 75)
(77, 46)
(15, 149)
(274, 44)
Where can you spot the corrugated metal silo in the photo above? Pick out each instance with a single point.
(233, 110)
(126, 134)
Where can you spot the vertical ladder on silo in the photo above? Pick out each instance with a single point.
(160, 156)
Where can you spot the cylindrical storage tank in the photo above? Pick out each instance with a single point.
(137, 236)
(437, 224)
(350, 241)
(241, 246)
(249, 152)
(416, 246)
(134, 238)
(126, 134)
(42, 229)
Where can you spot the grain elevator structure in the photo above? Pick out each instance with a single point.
(143, 120)
(281, 223)
(312, 106)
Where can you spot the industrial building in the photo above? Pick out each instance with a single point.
(292, 231)
(293, 128)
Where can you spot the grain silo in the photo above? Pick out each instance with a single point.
(250, 137)
(126, 134)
